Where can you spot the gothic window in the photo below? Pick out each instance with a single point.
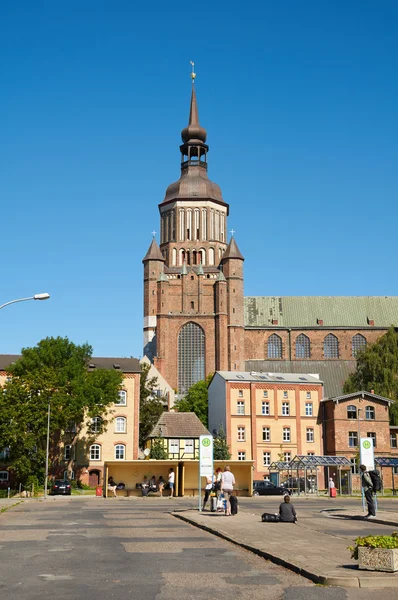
(331, 346)
(204, 223)
(274, 346)
(217, 225)
(211, 224)
(182, 225)
(196, 225)
(191, 356)
(222, 227)
(188, 257)
(211, 256)
(174, 257)
(189, 224)
(202, 253)
(303, 346)
(358, 343)
(181, 256)
(173, 226)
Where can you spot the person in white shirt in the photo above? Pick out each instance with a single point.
(210, 481)
(171, 481)
(227, 487)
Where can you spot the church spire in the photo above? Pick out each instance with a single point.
(194, 136)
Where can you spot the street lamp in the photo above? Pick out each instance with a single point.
(35, 297)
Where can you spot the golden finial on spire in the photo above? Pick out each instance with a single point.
(193, 74)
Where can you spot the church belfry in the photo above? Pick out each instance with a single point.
(186, 335)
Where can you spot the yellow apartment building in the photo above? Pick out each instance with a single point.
(267, 416)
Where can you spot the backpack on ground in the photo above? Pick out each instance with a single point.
(376, 480)
(270, 518)
(234, 505)
(213, 503)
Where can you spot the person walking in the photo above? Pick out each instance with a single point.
(171, 480)
(227, 487)
(367, 485)
(112, 486)
(287, 512)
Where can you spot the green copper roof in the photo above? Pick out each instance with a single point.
(305, 311)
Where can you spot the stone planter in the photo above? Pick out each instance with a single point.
(378, 559)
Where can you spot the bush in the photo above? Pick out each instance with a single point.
(32, 480)
(389, 542)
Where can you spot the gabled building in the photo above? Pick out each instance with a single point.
(179, 433)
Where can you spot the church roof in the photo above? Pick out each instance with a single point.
(154, 252)
(232, 250)
(333, 373)
(178, 425)
(326, 311)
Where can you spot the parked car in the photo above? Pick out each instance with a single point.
(61, 486)
(263, 487)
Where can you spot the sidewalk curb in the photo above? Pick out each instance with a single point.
(349, 517)
(333, 580)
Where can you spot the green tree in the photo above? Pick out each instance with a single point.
(197, 400)
(151, 406)
(377, 369)
(52, 373)
(220, 447)
(158, 451)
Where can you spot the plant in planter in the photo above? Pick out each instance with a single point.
(376, 552)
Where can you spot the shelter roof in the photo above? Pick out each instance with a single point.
(386, 461)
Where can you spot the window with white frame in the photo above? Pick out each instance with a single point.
(370, 413)
(95, 452)
(266, 459)
(174, 446)
(352, 439)
(95, 426)
(286, 434)
(122, 398)
(120, 452)
(3, 475)
(285, 394)
(5, 454)
(308, 395)
(69, 475)
(393, 440)
(395, 470)
(71, 427)
(265, 408)
(241, 455)
(308, 409)
(240, 408)
(285, 409)
(266, 434)
(240, 393)
(310, 434)
(287, 456)
(68, 452)
(354, 466)
(372, 434)
(265, 393)
(120, 424)
(188, 447)
(351, 412)
(241, 434)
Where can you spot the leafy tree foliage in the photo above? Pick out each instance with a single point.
(52, 373)
(197, 400)
(377, 369)
(220, 447)
(151, 407)
(158, 451)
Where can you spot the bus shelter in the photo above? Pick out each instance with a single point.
(304, 473)
(387, 461)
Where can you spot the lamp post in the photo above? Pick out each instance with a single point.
(47, 449)
(35, 297)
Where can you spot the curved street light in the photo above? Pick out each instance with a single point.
(35, 297)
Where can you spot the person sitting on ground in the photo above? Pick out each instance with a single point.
(145, 486)
(287, 512)
(161, 485)
(112, 486)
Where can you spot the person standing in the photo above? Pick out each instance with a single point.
(112, 486)
(171, 480)
(161, 485)
(210, 481)
(227, 487)
(367, 485)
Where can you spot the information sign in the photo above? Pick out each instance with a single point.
(205, 455)
(366, 454)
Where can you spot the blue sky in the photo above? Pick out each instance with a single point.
(299, 100)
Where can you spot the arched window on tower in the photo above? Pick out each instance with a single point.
(181, 257)
(191, 356)
(194, 257)
(358, 344)
(274, 346)
(222, 227)
(204, 223)
(211, 224)
(217, 225)
(189, 223)
(211, 256)
(188, 257)
(196, 224)
(202, 253)
(303, 347)
(331, 346)
(182, 225)
(174, 257)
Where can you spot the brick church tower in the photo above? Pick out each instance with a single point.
(193, 282)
